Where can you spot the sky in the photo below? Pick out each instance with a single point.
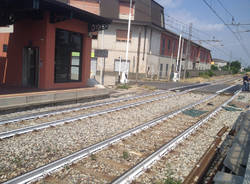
(209, 30)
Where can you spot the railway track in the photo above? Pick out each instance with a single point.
(90, 150)
(39, 115)
(84, 107)
(81, 117)
(75, 117)
(141, 167)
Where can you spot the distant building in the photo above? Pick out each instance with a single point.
(219, 63)
(158, 46)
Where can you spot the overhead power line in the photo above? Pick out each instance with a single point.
(226, 10)
(229, 28)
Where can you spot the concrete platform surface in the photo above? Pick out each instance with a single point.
(20, 100)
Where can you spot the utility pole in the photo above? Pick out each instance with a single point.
(177, 61)
(125, 73)
(171, 59)
(138, 56)
(102, 62)
(188, 54)
(182, 45)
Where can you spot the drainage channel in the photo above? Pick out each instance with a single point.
(84, 107)
(44, 170)
(140, 168)
(11, 133)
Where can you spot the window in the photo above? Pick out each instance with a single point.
(169, 45)
(124, 8)
(174, 46)
(162, 19)
(161, 69)
(68, 51)
(5, 47)
(166, 70)
(121, 35)
(163, 46)
(201, 55)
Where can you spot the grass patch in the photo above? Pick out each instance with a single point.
(125, 155)
(123, 86)
(149, 87)
(169, 178)
(93, 157)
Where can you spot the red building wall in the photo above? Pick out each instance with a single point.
(168, 50)
(41, 34)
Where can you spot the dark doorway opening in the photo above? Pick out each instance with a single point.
(30, 67)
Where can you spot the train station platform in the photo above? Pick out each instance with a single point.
(14, 98)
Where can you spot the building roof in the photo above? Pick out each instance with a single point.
(15, 10)
(216, 60)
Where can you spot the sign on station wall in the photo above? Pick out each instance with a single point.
(101, 53)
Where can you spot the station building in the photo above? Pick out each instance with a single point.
(50, 46)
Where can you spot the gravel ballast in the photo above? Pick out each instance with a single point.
(110, 163)
(185, 156)
(29, 151)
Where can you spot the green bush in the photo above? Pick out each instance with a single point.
(123, 86)
(214, 68)
(206, 74)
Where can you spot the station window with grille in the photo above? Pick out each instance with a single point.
(68, 52)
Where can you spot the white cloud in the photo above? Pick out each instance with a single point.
(186, 17)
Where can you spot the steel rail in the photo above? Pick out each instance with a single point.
(44, 170)
(137, 170)
(41, 172)
(84, 107)
(7, 134)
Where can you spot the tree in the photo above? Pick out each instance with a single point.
(235, 67)
(247, 69)
(214, 68)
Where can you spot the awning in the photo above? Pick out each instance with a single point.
(12, 11)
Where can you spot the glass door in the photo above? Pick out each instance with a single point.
(30, 70)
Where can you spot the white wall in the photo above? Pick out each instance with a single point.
(118, 49)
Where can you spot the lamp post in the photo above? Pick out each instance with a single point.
(124, 78)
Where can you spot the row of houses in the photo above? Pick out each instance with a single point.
(152, 47)
(53, 42)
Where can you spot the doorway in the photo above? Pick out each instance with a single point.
(30, 70)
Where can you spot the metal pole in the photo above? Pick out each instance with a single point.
(182, 45)
(178, 54)
(177, 61)
(124, 78)
(120, 66)
(102, 62)
(138, 56)
(188, 54)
